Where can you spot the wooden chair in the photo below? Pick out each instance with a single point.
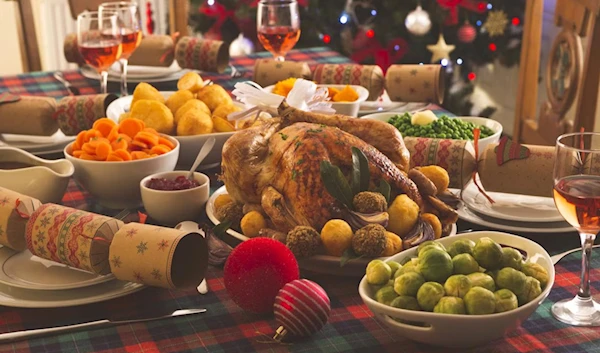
(178, 16)
(570, 77)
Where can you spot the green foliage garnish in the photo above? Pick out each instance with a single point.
(360, 171)
(336, 184)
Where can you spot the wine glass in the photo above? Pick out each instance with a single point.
(131, 32)
(577, 197)
(278, 26)
(99, 42)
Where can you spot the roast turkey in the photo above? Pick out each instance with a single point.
(277, 164)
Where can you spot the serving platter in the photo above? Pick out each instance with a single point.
(27, 271)
(137, 74)
(323, 264)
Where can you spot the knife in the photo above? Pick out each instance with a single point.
(556, 258)
(27, 334)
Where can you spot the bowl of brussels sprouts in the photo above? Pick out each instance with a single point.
(427, 124)
(460, 291)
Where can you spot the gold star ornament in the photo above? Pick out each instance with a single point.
(496, 22)
(440, 50)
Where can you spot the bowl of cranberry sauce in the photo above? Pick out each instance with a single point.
(171, 198)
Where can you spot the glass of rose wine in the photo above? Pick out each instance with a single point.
(577, 197)
(99, 42)
(278, 26)
(129, 18)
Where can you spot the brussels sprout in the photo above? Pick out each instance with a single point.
(428, 244)
(394, 265)
(408, 284)
(385, 295)
(479, 279)
(493, 274)
(488, 253)
(457, 285)
(450, 305)
(531, 290)
(410, 266)
(378, 272)
(479, 301)
(512, 258)
(512, 279)
(461, 246)
(406, 302)
(536, 271)
(505, 300)
(464, 264)
(435, 265)
(429, 295)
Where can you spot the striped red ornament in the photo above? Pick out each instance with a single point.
(302, 308)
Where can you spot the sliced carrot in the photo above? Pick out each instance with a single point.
(76, 146)
(103, 149)
(140, 144)
(114, 157)
(88, 148)
(150, 130)
(104, 125)
(119, 143)
(80, 138)
(160, 149)
(90, 134)
(146, 150)
(148, 138)
(124, 154)
(166, 142)
(113, 134)
(125, 137)
(88, 157)
(77, 153)
(131, 127)
(139, 155)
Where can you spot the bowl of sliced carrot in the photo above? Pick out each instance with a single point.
(111, 159)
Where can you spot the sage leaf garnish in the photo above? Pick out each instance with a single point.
(347, 256)
(336, 184)
(384, 189)
(221, 229)
(360, 171)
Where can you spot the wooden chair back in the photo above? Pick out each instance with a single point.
(570, 77)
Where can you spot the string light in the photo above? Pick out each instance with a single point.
(481, 6)
(373, 12)
(396, 47)
(344, 19)
(326, 38)
(471, 76)
(370, 33)
(489, 6)
(459, 61)
(516, 21)
(492, 46)
(478, 23)
(210, 2)
(444, 62)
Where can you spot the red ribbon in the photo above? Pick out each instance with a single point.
(384, 57)
(476, 134)
(454, 5)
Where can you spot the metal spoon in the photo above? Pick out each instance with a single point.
(204, 151)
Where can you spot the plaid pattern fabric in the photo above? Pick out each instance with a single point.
(226, 328)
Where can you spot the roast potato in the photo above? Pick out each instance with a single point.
(194, 122)
(191, 104)
(224, 110)
(214, 95)
(154, 114)
(146, 91)
(191, 81)
(178, 99)
(222, 125)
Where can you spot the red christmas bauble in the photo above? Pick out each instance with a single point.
(256, 270)
(302, 308)
(466, 33)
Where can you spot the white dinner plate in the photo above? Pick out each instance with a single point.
(28, 298)
(384, 104)
(144, 72)
(25, 270)
(90, 73)
(324, 264)
(38, 145)
(511, 207)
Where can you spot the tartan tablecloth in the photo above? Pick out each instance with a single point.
(226, 328)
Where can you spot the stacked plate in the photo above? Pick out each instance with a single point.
(27, 281)
(136, 74)
(510, 212)
(37, 145)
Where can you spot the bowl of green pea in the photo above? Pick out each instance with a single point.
(444, 127)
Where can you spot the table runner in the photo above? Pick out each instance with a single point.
(226, 328)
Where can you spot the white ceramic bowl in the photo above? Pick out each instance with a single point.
(451, 330)
(176, 206)
(345, 108)
(495, 126)
(189, 145)
(116, 185)
(44, 179)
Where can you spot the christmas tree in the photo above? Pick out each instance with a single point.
(462, 35)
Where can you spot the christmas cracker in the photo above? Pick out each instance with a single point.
(77, 113)
(368, 76)
(27, 115)
(72, 237)
(415, 83)
(158, 256)
(202, 54)
(15, 209)
(269, 72)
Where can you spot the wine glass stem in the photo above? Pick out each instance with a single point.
(124, 63)
(587, 241)
(104, 82)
